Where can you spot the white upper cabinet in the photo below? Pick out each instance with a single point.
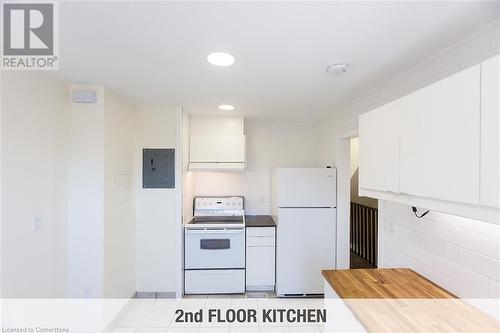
(490, 137)
(217, 143)
(438, 147)
(379, 148)
(217, 149)
(440, 139)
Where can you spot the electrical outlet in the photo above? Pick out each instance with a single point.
(36, 223)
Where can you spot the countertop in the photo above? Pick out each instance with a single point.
(383, 283)
(404, 301)
(259, 221)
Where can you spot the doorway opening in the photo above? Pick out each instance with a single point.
(357, 219)
(363, 221)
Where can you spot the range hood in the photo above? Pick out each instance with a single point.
(216, 144)
(217, 166)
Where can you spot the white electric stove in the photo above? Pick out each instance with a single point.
(214, 247)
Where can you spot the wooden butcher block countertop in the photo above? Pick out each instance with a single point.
(401, 300)
(383, 283)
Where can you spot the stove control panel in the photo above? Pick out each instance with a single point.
(218, 203)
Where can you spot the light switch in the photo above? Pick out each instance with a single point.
(36, 223)
(87, 292)
(392, 228)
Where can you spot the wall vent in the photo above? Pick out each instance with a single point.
(84, 96)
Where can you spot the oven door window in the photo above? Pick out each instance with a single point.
(215, 244)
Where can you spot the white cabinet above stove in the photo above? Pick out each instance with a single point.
(217, 143)
(217, 152)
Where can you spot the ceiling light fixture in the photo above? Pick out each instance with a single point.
(220, 59)
(337, 68)
(226, 107)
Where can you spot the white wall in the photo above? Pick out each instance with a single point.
(1, 184)
(74, 166)
(100, 200)
(34, 183)
(460, 254)
(466, 252)
(354, 155)
(86, 196)
(188, 177)
(355, 177)
(119, 196)
(60, 161)
(269, 145)
(156, 222)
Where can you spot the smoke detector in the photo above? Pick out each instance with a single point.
(337, 68)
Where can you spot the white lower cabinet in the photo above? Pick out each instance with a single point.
(339, 317)
(260, 258)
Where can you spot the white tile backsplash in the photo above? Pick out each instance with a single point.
(493, 289)
(465, 292)
(456, 254)
(484, 228)
(471, 240)
(435, 276)
(436, 246)
(479, 263)
(394, 257)
(462, 275)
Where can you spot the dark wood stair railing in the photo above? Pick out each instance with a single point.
(364, 226)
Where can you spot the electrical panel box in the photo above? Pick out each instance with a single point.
(158, 168)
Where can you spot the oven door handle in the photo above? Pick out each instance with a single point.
(215, 231)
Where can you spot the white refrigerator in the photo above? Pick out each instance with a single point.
(304, 208)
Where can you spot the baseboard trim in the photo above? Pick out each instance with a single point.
(260, 288)
(154, 294)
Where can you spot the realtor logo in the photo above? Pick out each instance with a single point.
(29, 36)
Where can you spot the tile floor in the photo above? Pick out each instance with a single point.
(150, 315)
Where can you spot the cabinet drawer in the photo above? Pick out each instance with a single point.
(260, 240)
(226, 281)
(260, 231)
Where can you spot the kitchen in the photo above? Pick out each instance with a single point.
(219, 167)
(216, 158)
